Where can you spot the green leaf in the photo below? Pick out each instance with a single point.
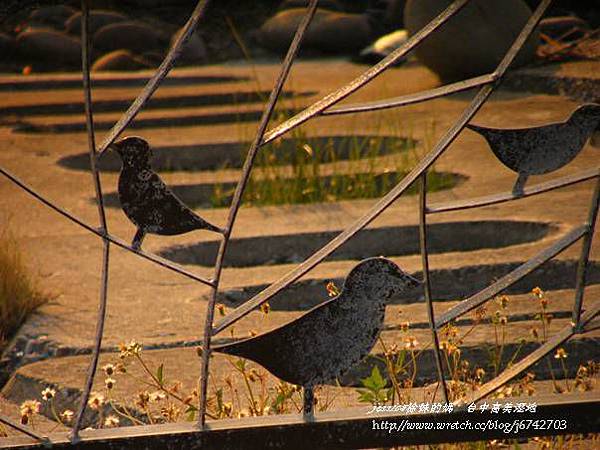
(159, 374)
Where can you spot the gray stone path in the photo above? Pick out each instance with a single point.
(164, 310)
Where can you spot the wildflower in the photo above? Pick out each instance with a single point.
(503, 301)
(143, 397)
(29, 408)
(308, 149)
(560, 353)
(243, 413)
(535, 333)
(67, 415)
(503, 320)
(332, 289)
(48, 394)
(252, 333)
(404, 326)
(221, 309)
(157, 396)
(265, 308)
(227, 408)
(537, 292)
(479, 373)
(411, 343)
(132, 349)
(96, 400)
(111, 421)
(109, 369)
(109, 383)
(480, 313)
(170, 413)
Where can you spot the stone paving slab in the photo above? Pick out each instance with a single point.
(68, 259)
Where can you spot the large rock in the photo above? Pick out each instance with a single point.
(194, 50)
(54, 16)
(475, 40)
(46, 47)
(331, 5)
(120, 60)
(136, 37)
(98, 19)
(7, 47)
(330, 31)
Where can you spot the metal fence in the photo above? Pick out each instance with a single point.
(346, 428)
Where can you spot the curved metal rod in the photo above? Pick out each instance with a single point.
(397, 191)
(512, 277)
(427, 284)
(25, 430)
(408, 99)
(113, 239)
(157, 78)
(343, 92)
(89, 121)
(584, 258)
(532, 358)
(502, 197)
(237, 199)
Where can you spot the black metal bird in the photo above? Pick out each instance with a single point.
(145, 198)
(326, 341)
(543, 149)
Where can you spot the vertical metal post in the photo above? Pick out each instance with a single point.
(586, 247)
(237, 200)
(427, 282)
(85, 63)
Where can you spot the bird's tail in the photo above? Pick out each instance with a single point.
(234, 348)
(210, 227)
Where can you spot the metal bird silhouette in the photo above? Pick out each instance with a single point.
(543, 149)
(145, 198)
(329, 339)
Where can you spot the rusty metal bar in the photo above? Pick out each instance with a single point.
(528, 191)
(533, 357)
(89, 120)
(586, 247)
(348, 429)
(512, 277)
(343, 92)
(395, 192)
(427, 283)
(157, 78)
(25, 430)
(409, 99)
(113, 239)
(237, 199)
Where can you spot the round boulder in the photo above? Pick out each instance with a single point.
(331, 32)
(331, 5)
(54, 16)
(193, 51)
(43, 46)
(134, 36)
(7, 46)
(475, 40)
(120, 60)
(98, 19)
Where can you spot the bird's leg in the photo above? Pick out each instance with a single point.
(309, 400)
(138, 238)
(520, 184)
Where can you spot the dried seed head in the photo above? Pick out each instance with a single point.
(221, 309)
(560, 353)
(67, 415)
(265, 308)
